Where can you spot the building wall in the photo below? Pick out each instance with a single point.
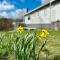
(34, 19)
(43, 17)
(55, 12)
(57, 7)
(39, 17)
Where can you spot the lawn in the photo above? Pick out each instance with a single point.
(51, 49)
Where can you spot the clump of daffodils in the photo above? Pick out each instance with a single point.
(20, 29)
(44, 33)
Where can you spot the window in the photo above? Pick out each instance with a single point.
(28, 17)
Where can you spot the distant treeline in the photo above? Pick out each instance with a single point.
(6, 24)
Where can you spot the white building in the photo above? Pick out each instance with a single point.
(43, 16)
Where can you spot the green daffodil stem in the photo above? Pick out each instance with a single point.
(42, 47)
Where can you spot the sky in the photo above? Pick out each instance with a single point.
(12, 8)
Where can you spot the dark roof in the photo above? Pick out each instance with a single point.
(43, 6)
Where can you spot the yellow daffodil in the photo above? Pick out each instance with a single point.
(20, 29)
(45, 31)
(43, 34)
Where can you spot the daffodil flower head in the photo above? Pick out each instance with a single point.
(45, 31)
(20, 29)
(43, 34)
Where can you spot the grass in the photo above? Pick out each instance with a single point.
(52, 45)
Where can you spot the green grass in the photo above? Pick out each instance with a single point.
(52, 45)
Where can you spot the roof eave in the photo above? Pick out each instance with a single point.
(37, 8)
